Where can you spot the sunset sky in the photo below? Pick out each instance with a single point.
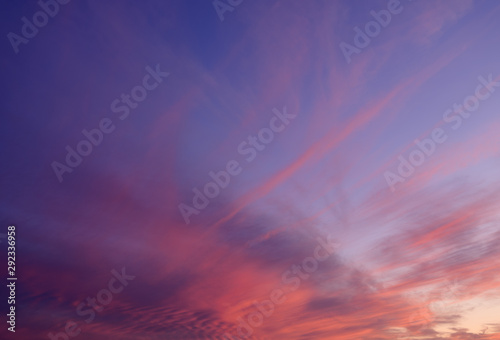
(265, 169)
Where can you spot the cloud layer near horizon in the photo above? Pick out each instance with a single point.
(419, 262)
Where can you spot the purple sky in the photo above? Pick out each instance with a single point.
(326, 220)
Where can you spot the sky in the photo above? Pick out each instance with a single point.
(238, 169)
